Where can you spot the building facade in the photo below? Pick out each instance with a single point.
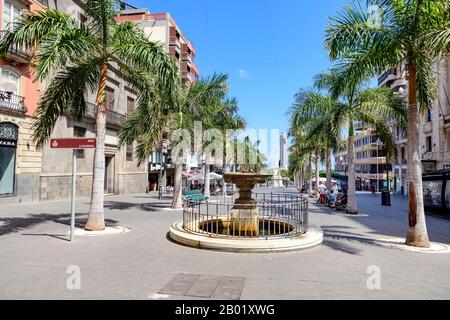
(20, 161)
(370, 161)
(28, 174)
(162, 27)
(434, 125)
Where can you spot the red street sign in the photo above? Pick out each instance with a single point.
(73, 143)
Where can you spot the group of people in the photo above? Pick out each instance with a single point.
(335, 198)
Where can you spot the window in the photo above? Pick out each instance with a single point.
(9, 81)
(109, 99)
(429, 116)
(429, 145)
(402, 155)
(130, 105)
(129, 152)
(11, 14)
(79, 132)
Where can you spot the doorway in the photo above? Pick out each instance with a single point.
(7, 166)
(109, 175)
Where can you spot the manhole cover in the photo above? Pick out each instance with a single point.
(204, 286)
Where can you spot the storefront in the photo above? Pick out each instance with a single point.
(9, 133)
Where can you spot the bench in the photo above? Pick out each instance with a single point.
(194, 195)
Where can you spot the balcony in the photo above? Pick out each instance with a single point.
(388, 75)
(12, 102)
(175, 36)
(112, 117)
(17, 53)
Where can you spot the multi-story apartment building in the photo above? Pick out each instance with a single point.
(20, 162)
(434, 125)
(370, 162)
(27, 174)
(163, 28)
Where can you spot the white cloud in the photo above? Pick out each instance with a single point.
(243, 73)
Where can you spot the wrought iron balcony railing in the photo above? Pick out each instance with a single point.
(24, 53)
(112, 117)
(12, 102)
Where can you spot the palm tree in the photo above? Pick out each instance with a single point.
(81, 55)
(413, 32)
(219, 114)
(350, 101)
(223, 116)
(323, 129)
(302, 147)
(176, 111)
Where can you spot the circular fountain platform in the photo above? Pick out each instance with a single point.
(309, 239)
(252, 222)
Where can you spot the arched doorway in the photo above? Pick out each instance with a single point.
(9, 133)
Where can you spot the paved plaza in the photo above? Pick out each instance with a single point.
(35, 255)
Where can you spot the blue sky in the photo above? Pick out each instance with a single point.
(269, 48)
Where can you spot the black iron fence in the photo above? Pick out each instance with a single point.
(276, 215)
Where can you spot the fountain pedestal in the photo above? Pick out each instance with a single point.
(244, 214)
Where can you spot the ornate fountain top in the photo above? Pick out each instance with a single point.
(245, 178)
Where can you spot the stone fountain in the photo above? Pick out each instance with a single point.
(244, 214)
(246, 224)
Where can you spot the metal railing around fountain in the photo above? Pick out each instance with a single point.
(279, 215)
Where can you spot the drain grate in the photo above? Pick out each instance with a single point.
(204, 286)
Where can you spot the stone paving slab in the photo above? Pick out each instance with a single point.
(35, 256)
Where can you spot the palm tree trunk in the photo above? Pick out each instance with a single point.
(328, 165)
(177, 202)
(96, 218)
(302, 176)
(310, 174)
(317, 172)
(351, 191)
(207, 192)
(417, 229)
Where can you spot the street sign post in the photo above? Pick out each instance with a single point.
(74, 144)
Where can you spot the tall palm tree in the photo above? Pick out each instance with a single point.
(351, 101)
(178, 110)
(81, 55)
(302, 147)
(323, 129)
(413, 32)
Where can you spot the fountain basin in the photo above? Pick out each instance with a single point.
(281, 224)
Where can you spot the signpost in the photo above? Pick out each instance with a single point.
(75, 144)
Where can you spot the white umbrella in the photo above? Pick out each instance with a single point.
(201, 177)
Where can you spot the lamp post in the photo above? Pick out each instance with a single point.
(378, 143)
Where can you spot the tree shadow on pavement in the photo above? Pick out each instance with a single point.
(9, 225)
(148, 207)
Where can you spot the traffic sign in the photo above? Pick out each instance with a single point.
(73, 143)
